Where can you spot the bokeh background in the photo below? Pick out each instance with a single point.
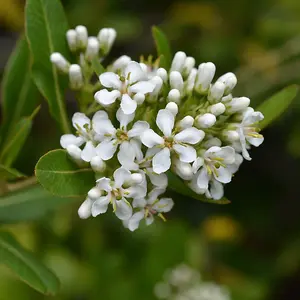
(251, 245)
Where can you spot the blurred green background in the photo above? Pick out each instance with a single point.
(251, 245)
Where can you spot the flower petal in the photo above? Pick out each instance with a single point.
(88, 152)
(164, 205)
(139, 202)
(107, 149)
(190, 135)
(227, 153)
(243, 144)
(159, 180)
(237, 162)
(165, 121)
(216, 190)
(252, 118)
(100, 206)
(106, 98)
(135, 220)
(124, 119)
(120, 176)
(80, 120)
(186, 153)
(128, 105)
(150, 138)
(202, 179)
(138, 128)
(197, 164)
(142, 87)
(223, 175)
(102, 124)
(136, 191)
(126, 156)
(136, 72)
(110, 80)
(153, 195)
(149, 219)
(255, 141)
(104, 184)
(161, 161)
(71, 139)
(137, 147)
(123, 210)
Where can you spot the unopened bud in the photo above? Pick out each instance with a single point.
(75, 152)
(206, 121)
(75, 77)
(231, 135)
(172, 107)
(72, 39)
(139, 98)
(158, 82)
(206, 73)
(188, 66)
(106, 39)
(226, 98)
(92, 49)
(97, 164)
(230, 81)
(212, 142)
(186, 122)
(190, 83)
(216, 92)
(217, 109)
(94, 193)
(82, 37)
(85, 209)
(60, 62)
(178, 61)
(237, 104)
(174, 96)
(121, 62)
(163, 74)
(183, 170)
(176, 81)
(136, 178)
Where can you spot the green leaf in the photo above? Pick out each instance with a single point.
(29, 204)
(17, 139)
(9, 173)
(163, 47)
(19, 94)
(60, 176)
(46, 27)
(178, 186)
(275, 106)
(97, 67)
(26, 266)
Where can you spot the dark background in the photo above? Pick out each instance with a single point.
(251, 245)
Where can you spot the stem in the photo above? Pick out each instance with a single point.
(12, 187)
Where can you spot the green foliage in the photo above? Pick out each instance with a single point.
(26, 266)
(179, 187)
(9, 173)
(28, 204)
(163, 47)
(97, 67)
(62, 177)
(46, 26)
(275, 106)
(19, 94)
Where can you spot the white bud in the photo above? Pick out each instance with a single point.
(237, 104)
(92, 49)
(72, 39)
(217, 109)
(176, 81)
(230, 81)
(216, 92)
(206, 73)
(172, 107)
(190, 83)
(231, 135)
(186, 122)
(212, 142)
(136, 178)
(158, 82)
(121, 62)
(163, 74)
(60, 62)
(174, 96)
(227, 98)
(188, 66)
(74, 152)
(178, 61)
(97, 164)
(85, 209)
(183, 170)
(206, 121)
(82, 36)
(144, 67)
(75, 77)
(139, 98)
(94, 193)
(106, 39)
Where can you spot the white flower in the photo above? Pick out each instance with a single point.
(237, 104)
(149, 207)
(106, 37)
(179, 142)
(132, 81)
(248, 131)
(116, 192)
(113, 137)
(75, 77)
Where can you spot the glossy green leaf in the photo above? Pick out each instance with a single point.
(26, 266)
(178, 186)
(60, 176)
(46, 27)
(19, 94)
(163, 47)
(10, 173)
(275, 106)
(29, 204)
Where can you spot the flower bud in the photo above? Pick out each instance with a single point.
(217, 109)
(106, 37)
(85, 209)
(158, 82)
(139, 98)
(174, 96)
(216, 92)
(206, 121)
(206, 73)
(188, 66)
(82, 36)
(74, 152)
(178, 61)
(183, 170)
(176, 81)
(163, 74)
(72, 39)
(231, 135)
(237, 104)
(94, 193)
(121, 63)
(230, 81)
(212, 142)
(75, 77)
(172, 107)
(227, 98)
(190, 83)
(186, 122)
(92, 49)
(136, 178)
(60, 62)
(97, 164)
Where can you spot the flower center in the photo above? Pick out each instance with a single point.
(169, 141)
(213, 164)
(117, 193)
(121, 135)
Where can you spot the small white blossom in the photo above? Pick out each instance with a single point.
(106, 39)
(75, 77)
(163, 74)
(206, 120)
(217, 109)
(205, 75)
(71, 36)
(176, 81)
(174, 96)
(230, 81)
(216, 92)
(190, 83)
(82, 36)
(188, 66)
(237, 105)
(178, 61)
(92, 49)
(60, 62)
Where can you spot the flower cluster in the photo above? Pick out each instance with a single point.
(184, 283)
(148, 121)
